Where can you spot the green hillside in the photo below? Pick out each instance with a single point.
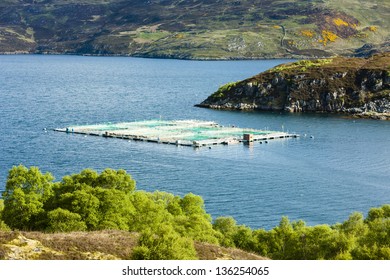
(200, 29)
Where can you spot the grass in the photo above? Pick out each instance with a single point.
(301, 65)
(372, 11)
(21, 36)
(149, 37)
(220, 93)
(77, 245)
(81, 245)
(222, 43)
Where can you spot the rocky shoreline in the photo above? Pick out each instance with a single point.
(354, 86)
(373, 115)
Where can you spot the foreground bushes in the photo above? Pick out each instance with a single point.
(92, 201)
(356, 238)
(3, 226)
(169, 224)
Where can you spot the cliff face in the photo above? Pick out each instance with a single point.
(347, 85)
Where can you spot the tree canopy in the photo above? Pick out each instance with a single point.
(168, 224)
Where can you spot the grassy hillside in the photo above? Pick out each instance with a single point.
(204, 29)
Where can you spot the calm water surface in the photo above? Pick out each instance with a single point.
(344, 168)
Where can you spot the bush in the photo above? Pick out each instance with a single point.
(168, 224)
(26, 192)
(3, 226)
(227, 227)
(164, 244)
(61, 220)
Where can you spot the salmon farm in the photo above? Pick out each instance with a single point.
(195, 133)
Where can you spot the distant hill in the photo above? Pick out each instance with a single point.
(196, 29)
(359, 86)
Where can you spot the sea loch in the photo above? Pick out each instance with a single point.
(344, 167)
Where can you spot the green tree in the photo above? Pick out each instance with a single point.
(148, 214)
(84, 203)
(193, 204)
(102, 200)
(386, 210)
(227, 226)
(323, 242)
(243, 238)
(3, 226)
(355, 225)
(375, 243)
(62, 220)
(164, 244)
(263, 241)
(283, 240)
(374, 214)
(29, 180)
(22, 211)
(115, 179)
(1, 206)
(26, 192)
(115, 209)
(194, 221)
(169, 201)
(196, 227)
(108, 179)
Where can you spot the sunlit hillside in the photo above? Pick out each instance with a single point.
(204, 29)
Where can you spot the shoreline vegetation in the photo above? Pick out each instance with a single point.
(161, 57)
(93, 215)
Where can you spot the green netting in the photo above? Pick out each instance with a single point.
(186, 130)
(199, 138)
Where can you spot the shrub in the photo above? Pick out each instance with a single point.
(307, 33)
(3, 226)
(164, 244)
(340, 22)
(327, 36)
(26, 191)
(62, 220)
(227, 227)
(223, 89)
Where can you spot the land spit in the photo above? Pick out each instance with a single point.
(193, 133)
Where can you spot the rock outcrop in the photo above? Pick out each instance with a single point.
(345, 85)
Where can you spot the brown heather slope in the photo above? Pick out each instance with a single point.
(95, 245)
(344, 85)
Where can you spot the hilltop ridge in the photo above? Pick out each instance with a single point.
(198, 29)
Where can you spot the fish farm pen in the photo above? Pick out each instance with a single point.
(193, 133)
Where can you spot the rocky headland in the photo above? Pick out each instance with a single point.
(355, 86)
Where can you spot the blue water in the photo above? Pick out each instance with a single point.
(344, 168)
